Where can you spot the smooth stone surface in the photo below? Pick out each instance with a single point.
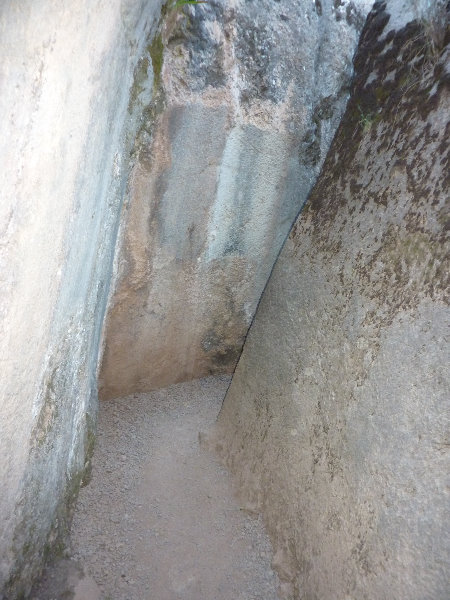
(65, 135)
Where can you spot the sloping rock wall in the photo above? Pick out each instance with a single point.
(336, 422)
(249, 95)
(65, 136)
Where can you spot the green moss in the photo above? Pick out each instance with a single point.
(382, 93)
(154, 54)
(156, 51)
(57, 539)
(139, 78)
(89, 445)
(367, 119)
(33, 545)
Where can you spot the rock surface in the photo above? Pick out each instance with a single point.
(248, 96)
(65, 135)
(336, 423)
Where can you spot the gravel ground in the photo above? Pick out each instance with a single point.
(159, 520)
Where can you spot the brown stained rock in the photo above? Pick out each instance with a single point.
(241, 121)
(336, 422)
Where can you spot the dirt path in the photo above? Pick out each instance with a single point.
(158, 521)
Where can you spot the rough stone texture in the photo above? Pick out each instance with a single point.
(65, 134)
(336, 423)
(249, 97)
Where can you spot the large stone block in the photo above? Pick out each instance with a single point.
(336, 423)
(249, 97)
(67, 125)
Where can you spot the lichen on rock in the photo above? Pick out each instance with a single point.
(334, 419)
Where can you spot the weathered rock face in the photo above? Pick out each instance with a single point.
(336, 422)
(249, 97)
(65, 134)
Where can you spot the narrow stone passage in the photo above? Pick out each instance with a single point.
(158, 520)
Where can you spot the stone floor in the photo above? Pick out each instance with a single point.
(159, 520)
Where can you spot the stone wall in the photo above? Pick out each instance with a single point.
(336, 423)
(249, 95)
(67, 125)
